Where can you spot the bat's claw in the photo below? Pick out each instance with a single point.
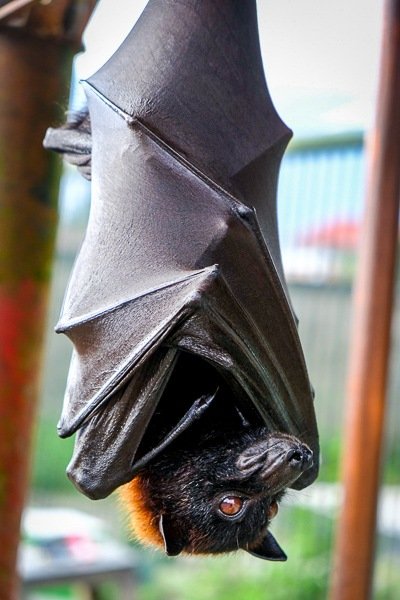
(195, 411)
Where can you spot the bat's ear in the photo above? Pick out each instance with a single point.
(173, 544)
(268, 549)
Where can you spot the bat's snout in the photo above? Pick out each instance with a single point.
(278, 460)
(300, 458)
(285, 462)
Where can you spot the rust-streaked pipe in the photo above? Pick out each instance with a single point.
(35, 63)
(373, 306)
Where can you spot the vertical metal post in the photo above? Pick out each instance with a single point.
(35, 61)
(373, 304)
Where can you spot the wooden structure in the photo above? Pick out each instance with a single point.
(37, 41)
(373, 304)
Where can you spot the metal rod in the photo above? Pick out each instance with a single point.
(369, 356)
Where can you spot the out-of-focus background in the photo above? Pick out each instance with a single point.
(321, 61)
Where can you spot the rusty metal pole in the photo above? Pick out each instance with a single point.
(373, 305)
(36, 50)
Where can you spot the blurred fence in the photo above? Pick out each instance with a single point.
(320, 201)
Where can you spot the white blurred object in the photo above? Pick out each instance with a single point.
(54, 523)
(62, 540)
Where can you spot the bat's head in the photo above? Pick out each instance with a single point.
(217, 494)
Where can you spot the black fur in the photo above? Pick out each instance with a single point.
(187, 482)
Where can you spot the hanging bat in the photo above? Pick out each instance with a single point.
(177, 307)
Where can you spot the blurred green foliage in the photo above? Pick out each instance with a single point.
(51, 458)
(305, 537)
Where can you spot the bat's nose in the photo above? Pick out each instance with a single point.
(300, 458)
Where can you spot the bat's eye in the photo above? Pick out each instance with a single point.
(231, 506)
(272, 509)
